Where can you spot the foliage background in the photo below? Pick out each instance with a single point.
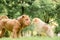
(43, 9)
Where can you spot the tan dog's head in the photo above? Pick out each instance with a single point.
(24, 20)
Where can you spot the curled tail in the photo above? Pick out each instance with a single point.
(3, 17)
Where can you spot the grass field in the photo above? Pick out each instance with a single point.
(32, 38)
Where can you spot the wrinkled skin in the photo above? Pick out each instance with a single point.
(14, 25)
(41, 26)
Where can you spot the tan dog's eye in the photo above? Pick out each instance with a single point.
(26, 19)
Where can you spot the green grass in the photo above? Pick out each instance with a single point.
(32, 38)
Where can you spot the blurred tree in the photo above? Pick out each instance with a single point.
(12, 7)
(43, 9)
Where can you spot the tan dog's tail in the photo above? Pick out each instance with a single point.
(3, 17)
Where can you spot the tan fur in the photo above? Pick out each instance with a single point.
(14, 25)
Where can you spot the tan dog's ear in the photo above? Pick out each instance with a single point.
(23, 16)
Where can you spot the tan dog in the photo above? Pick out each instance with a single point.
(41, 26)
(14, 25)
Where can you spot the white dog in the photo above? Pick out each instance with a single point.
(41, 26)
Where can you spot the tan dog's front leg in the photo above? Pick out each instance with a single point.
(15, 33)
(2, 31)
